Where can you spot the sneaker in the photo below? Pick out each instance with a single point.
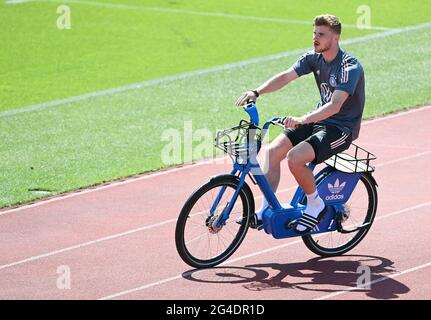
(255, 223)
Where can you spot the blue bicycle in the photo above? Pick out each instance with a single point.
(215, 219)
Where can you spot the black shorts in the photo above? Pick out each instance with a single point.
(326, 140)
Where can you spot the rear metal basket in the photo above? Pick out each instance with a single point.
(354, 159)
(239, 142)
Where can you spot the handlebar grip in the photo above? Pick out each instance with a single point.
(280, 122)
(249, 101)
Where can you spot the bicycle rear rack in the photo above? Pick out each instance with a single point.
(354, 159)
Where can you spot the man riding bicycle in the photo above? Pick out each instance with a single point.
(326, 131)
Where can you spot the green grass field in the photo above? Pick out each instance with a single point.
(116, 43)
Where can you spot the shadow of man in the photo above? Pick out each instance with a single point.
(318, 274)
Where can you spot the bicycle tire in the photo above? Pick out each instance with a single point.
(313, 244)
(247, 201)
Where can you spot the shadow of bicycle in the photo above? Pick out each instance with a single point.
(319, 274)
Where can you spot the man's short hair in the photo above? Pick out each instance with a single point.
(328, 20)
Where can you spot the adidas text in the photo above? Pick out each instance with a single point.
(334, 197)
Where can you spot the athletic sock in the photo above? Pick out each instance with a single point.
(262, 209)
(315, 205)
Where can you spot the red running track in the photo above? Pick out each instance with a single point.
(117, 241)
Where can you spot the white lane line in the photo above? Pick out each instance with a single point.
(416, 155)
(140, 288)
(103, 187)
(397, 114)
(111, 237)
(85, 244)
(147, 286)
(419, 206)
(154, 284)
(220, 160)
(383, 278)
(118, 235)
(187, 75)
(206, 14)
(391, 146)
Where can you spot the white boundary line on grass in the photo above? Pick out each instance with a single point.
(199, 163)
(196, 13)
(17, 1)
(186, 75)
(140, 288)
(203, 13)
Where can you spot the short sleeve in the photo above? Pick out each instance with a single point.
(305, 64)
(350, 74)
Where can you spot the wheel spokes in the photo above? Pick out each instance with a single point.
(199, 220)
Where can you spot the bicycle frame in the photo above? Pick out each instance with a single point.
(276, 217)
(201, 245)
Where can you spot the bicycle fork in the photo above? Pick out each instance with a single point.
(216, 221)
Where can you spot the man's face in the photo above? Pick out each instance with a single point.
(324, 38)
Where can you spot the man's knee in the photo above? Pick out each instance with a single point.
(300, 155)
(294, 158)
(278, 149)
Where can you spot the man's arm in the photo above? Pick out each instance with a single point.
(275, 83)
(278, 81)
(321, 113)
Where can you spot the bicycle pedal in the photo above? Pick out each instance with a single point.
(291, 224)
(257, 227)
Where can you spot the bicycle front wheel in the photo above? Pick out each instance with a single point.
(361, 208)
(198, 244)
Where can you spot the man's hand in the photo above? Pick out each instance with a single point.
(293, 122)
(244, 97)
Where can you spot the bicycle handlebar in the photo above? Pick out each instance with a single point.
(278, 121)
(253, 112)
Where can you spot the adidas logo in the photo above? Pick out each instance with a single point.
(337, 187)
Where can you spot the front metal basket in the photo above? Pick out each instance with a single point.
(354, 159)
(239, 142)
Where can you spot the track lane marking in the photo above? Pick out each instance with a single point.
(383, 278)
(153, 284)
(118, 235)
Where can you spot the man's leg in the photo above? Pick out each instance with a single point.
(297, 158)
(276, 152)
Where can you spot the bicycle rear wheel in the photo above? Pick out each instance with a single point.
(362, 207)
(197, 243)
